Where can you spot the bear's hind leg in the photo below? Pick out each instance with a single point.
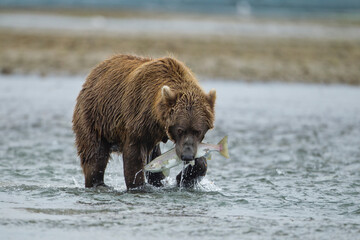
(155, 178)
(94, 165)
(133, 155)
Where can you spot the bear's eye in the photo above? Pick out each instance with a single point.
(180, 131)
(197, 133)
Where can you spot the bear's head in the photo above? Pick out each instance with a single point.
(187, 116)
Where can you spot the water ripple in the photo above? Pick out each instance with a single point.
(294, 170)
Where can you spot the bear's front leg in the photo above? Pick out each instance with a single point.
(133, 155)
(192, 174)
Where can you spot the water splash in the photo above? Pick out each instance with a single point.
(136, 175)
(76, 183)
(206, 185)
(182, 175)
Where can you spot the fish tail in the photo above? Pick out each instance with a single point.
(224, 147)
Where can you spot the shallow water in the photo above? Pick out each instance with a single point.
(294, 170)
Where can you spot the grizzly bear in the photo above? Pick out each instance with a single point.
(130, 104)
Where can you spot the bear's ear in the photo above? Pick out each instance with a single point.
(168, 96)
(211, 97)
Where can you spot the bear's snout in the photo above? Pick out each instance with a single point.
(188, 149)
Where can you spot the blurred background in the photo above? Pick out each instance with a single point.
(294, 167)
(255, 40)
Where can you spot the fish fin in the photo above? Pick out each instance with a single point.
(208, 157)
(166, 172)
(224, 147)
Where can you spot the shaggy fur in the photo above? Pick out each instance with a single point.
(131, 103)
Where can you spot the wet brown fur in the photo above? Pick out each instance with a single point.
(123, 103)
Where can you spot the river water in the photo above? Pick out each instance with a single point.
(294, 171)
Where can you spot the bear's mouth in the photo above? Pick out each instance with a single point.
(187, 158)
(191, 162)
